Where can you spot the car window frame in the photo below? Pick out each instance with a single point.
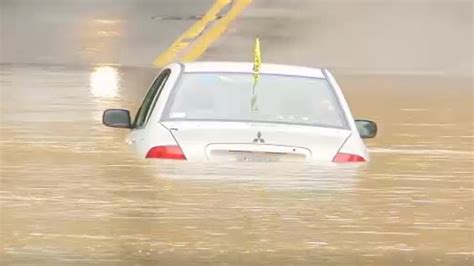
(158, 86)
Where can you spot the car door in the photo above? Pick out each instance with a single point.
(140, 123)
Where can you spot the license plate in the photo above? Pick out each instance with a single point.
(257, 158)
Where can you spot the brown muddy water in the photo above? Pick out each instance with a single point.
(71, 193)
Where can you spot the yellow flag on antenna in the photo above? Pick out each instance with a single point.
(257, 62)
(256, 73)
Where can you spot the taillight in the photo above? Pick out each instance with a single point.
(347, 157)
(166, 152)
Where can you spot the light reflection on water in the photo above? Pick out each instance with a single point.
(72, 193)
(105, 82)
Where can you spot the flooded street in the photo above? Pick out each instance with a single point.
(72, 193)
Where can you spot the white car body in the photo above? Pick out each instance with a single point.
(241, 140)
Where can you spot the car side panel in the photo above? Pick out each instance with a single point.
(354, 143)
(153, 133)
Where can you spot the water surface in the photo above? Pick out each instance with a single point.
(71, 192)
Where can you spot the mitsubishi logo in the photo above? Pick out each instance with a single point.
(259, 138)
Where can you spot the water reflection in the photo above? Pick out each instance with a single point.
(71, 193)
(105, 82)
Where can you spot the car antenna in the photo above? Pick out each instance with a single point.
(256, 73)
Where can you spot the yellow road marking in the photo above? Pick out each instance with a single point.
(213, 34)
(183, 41)
(203, 42)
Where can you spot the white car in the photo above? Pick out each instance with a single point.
(211, 111)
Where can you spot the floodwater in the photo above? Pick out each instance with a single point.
(71, 192)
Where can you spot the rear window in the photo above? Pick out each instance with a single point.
(275, 99)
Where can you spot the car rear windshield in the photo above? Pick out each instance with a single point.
(273, 99)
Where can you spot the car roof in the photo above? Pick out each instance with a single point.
(247, 67)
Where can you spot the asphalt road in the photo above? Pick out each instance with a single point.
(406, 37)
(433, 37)
(89, 32)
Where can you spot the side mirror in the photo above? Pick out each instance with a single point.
(367, 129)
(119, 118)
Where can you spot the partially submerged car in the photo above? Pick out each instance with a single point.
(213, 111)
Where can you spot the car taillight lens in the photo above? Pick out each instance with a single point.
(347, 157)
(166, 152)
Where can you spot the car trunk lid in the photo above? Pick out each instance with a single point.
(242, 141)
